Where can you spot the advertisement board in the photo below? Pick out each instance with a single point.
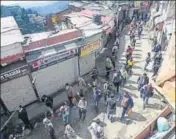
(91, 47)
(14, 73)
(53, 59)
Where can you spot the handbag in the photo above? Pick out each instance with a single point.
(74, 100)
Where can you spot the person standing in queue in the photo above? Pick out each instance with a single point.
(108, 65)
(22, 115)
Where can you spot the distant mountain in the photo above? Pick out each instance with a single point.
(49, 8)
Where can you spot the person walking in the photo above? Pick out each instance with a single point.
(96, 97)
(127, 103)
(142, 80)
(147, 60)
(114, 49)
(108, 65)
(113, 59)
(146, 92)
(130, 65)
(117, 79)
(49, 126)
(111, 107)
(124, 76)
(48, 103)
(82, 104)
(97, 129)
(22, 115)
(82, 85)
(129, 51)
(65, 112)
(70, 94)
(140, 29)
(107, 91)
(69, 132)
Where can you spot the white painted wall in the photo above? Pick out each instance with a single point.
(10, 50)
(13, 91)
(51, 79)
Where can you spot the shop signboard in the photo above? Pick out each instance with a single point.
(53, 59)
(89, 48)
(14, 73)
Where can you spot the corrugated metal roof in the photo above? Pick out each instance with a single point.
(77, 4)
(10, 32)
(54, 39)
(12, 58)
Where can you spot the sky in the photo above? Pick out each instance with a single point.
(22, 2)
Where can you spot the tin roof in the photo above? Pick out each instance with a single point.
(61, 37)
(10, 32)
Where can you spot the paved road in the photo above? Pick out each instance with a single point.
(134, 123)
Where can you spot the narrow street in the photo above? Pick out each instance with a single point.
(133, 124)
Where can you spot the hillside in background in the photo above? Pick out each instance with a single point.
(50, 8)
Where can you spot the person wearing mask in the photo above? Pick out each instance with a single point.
(22, 115)
(130, 66)
(82, 104)
(97, 129)
(108, 65)
(70, 94)
(142, 80)
(126, 103)
(111, 107)
(82, 85)
(48, 103)
(117, 79)
(146, 92)
(113, 59)
(147, 60)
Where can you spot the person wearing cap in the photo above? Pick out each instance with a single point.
(82, 104)
(97, 129)
(111, 107)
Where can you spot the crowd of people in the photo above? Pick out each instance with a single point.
(111, 91)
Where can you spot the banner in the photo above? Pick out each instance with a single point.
(90, 48)
(14, 73)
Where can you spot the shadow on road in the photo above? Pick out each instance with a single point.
(155, 106)
(137, 117)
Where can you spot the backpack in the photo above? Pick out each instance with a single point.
(124, 102)
(117, 79)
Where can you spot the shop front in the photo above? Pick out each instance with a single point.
(87, 56)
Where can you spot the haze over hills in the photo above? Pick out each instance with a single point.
(43, 7)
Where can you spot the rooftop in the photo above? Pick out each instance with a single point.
(55, 39)
(78, 4)
(10, 32)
